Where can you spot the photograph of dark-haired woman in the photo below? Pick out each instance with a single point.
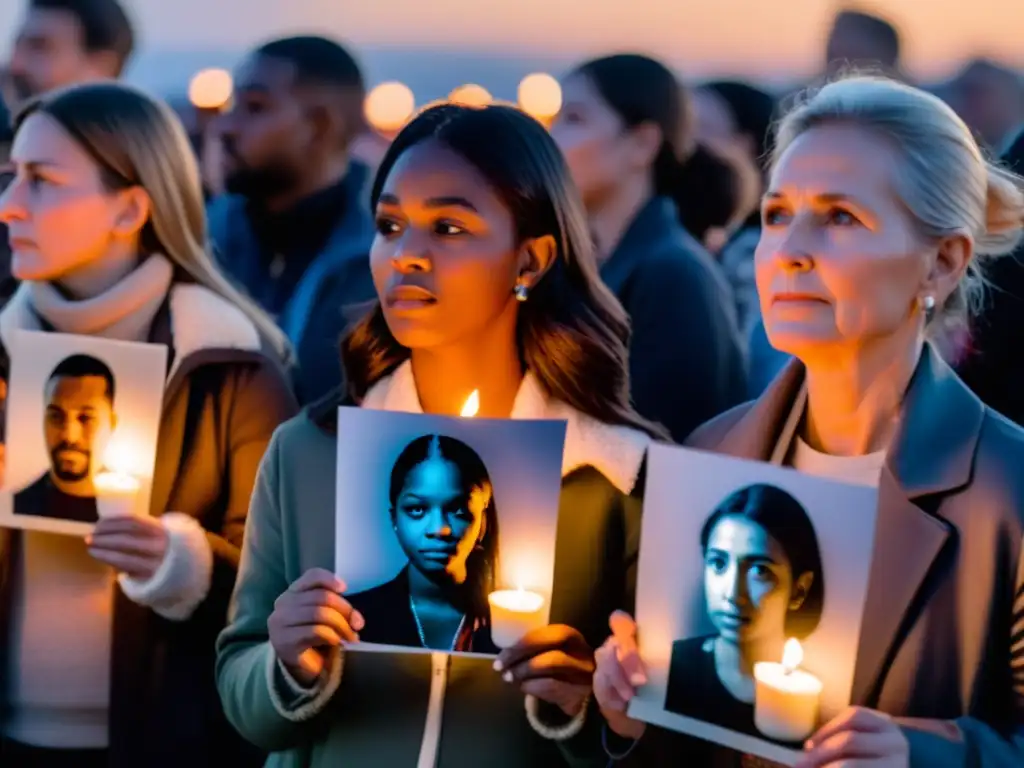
(445, 520)
(435, 514)
(763, 584)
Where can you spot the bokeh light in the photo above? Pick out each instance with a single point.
(210, 89)
(540, 95)
(471, 95)
(389, 106)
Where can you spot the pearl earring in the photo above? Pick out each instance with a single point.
(521, 291)
(928, 305)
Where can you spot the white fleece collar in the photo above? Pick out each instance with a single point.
(617, 452)
(200, 320)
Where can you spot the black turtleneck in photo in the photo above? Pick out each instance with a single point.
(44, 499)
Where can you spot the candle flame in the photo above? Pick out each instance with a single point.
(472, 405)
(792, 655)
(117, 458)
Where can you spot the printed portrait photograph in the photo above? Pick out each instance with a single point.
(446, 528)
(84, 414)
(751, 591)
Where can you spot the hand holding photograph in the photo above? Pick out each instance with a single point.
(446, 528)
(85, 415)
(751, 590)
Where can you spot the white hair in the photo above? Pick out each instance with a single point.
(944, 180)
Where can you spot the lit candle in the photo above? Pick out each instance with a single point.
(786, 698)
(116, 493)
(471, 406)
(514, 612)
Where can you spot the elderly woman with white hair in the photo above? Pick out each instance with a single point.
(879, 219)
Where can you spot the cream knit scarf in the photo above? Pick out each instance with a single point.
(124, 312)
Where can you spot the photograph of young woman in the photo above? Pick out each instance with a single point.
(763, 584)
(445, 520)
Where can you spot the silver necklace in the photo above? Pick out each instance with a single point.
(419, 626)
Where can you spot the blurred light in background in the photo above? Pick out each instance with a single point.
(471, 95)
(210, 89)
(540, 96)
(389, 106)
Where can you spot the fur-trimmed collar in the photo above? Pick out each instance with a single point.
(200, 321)
(617, 452)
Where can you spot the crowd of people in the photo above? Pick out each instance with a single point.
(703, 266)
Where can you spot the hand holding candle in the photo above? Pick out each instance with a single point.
(553, 663)
(786, 698)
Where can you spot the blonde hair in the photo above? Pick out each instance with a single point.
(944, 180)
(139, 141)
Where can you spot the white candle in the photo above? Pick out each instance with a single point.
(786, 698)
(514, 612)
(116, 493)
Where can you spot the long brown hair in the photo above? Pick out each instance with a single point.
(138, 141)
(573, 334)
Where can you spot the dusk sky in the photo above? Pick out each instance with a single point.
(774, 39)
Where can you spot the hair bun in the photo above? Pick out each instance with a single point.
(1004, 213)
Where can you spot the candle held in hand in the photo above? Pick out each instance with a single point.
(785, 697)
(514, 612)
(116, 493)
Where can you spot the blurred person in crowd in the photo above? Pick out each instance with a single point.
(735, 114)
(487, 281)
(990, 99)
(294, 228)
(63, 42)
(862, 40)
(109, 641)
(626, 131)
(7, 282)
(881, 216)
(740, 182)
(739, 116)
(992, 365)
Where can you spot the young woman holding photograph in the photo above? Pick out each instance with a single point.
(109, 642)
(878, 221)
(486, 281)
